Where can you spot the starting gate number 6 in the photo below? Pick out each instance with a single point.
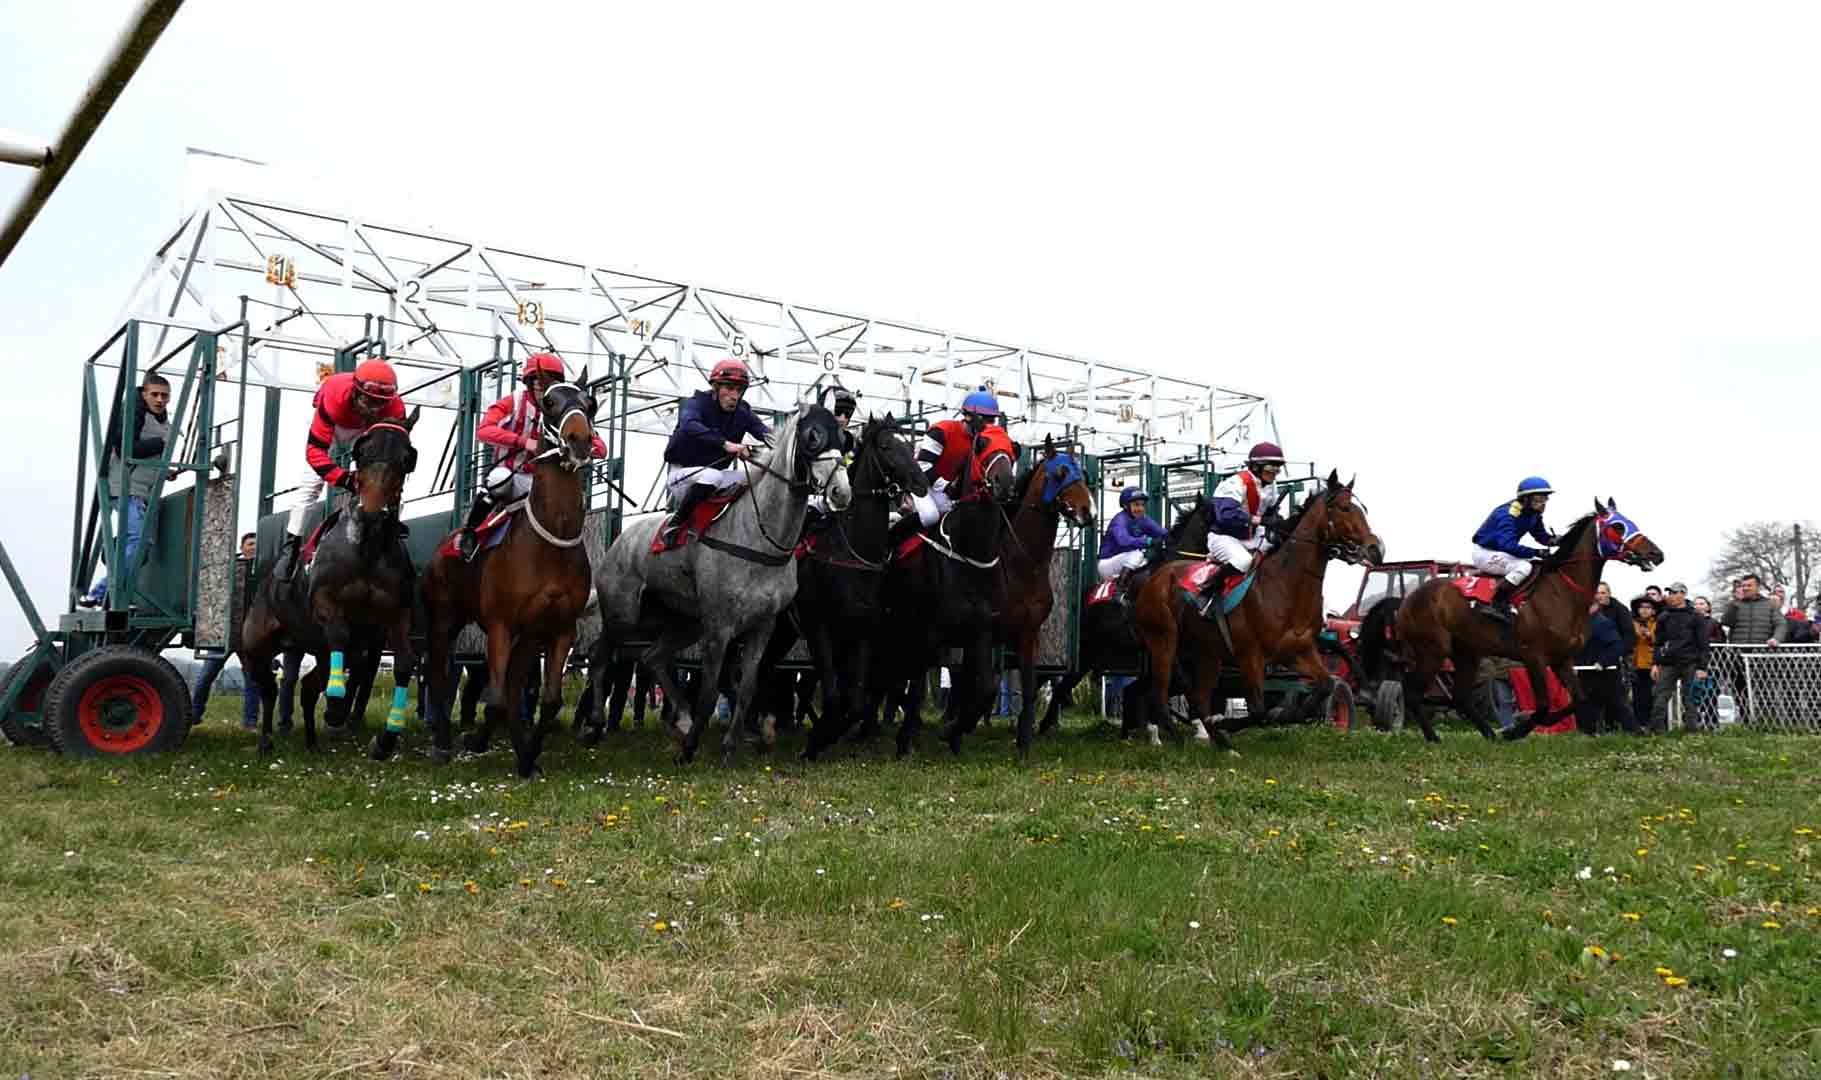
(828, 360)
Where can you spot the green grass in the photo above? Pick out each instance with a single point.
(1323, 905)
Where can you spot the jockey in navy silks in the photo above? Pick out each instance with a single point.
(700, 459)
(1497, 547)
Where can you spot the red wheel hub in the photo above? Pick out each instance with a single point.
(1340, 712)
(120, 714)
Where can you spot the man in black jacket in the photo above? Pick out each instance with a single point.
(1681, 658)
(1603, 708)
(146, 429)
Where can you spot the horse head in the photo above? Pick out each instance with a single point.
(816, 456)
(383, 457)
(1620, 538)
(993, 464)
(1344, 531)
(1060, 486)
(884, 462)
(568, 421)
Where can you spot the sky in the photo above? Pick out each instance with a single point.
(1455, 244)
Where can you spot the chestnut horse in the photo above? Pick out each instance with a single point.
(1275, 622)
(526, 593)
(1435, 624)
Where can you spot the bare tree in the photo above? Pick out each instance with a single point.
(1767, 549)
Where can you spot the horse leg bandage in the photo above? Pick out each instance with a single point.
(395, 719)
(338, 676)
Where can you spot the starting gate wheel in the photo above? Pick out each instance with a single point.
(29, 700)
(1388, 706)
(120, 699)
(1342, 709)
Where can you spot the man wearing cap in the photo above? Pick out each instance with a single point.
(703, 455)
(1681, 658)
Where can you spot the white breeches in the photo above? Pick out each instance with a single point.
(679, 478)
(931, 507)
(1119, 564)
(1514, 569)
(1235, 553)
(309, 489)
(507, 485)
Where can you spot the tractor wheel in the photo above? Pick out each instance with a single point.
(1342, 710)
(1388, 706)
(30, 700)
(120, 699)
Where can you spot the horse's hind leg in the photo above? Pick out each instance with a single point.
(493, 702)
(310, 688)
(511, 704)
(404, 669)
(752, 657)
(911, 701)
(1060, 690)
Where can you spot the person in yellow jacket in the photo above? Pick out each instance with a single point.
(1644, 622)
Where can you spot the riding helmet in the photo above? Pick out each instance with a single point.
(731, 371)
(376, 379)
(1534, 485)
(1266, 453)
(542, 363)
(1131, 495)
(981, 403)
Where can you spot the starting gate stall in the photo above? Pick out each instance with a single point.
(274, 296)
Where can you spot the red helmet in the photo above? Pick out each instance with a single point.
(543, 363)
(1266, 453)
(731, 371)
(376, 379)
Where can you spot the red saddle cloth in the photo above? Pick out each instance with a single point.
(1104, 591)
(306, 552)
(488, 534)
(909, 548)
(1479, 589)
(706, 513)
(1196, 578)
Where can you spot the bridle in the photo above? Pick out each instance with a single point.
(561, 453)
(1348, 551)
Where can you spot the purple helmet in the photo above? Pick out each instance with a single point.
(1266, 453)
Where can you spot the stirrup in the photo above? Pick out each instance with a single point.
(467, 544)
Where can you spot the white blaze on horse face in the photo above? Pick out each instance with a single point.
(831, 476)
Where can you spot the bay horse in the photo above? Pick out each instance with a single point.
(941, 596)
(525, 593)
(1275, 622)
(1435, 624)
(356, 596)
(1022, 597)
(840, 582)
(1109, 640)
(727, 586)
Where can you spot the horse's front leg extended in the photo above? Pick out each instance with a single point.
(551, 701)
(493, 701)
(1027, 677)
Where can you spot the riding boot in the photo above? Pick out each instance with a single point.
(466, 541)
(1499, 607)
(679, 518)
(288, 551)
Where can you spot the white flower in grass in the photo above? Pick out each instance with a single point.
(1585, 873)
(1621, 1065)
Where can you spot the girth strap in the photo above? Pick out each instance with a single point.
(740, 552)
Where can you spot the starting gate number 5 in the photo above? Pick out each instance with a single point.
(738, 346)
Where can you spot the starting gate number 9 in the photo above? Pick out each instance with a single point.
(1059, 400)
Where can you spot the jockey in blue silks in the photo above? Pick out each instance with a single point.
(1130, 537)
(1497, 546)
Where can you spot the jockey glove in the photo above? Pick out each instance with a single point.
(349, 481)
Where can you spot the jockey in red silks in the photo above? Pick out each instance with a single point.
(1242, 504)
(511, 426)
(946, 449)
(347, 405)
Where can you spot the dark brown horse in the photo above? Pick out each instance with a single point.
(1275, 622)
(1022, 597)
(525, 594)
(1435, 624)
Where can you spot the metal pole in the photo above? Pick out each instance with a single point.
(1801, 572)
(129, 52)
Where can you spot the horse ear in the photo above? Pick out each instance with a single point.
(1612, 505)
(582, 379)
(411, 418)
(1334, 478)
(1350, 480)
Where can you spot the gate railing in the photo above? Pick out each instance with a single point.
(1765, 688)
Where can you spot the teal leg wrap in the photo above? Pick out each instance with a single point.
(395, 719)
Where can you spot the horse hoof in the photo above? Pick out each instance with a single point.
(377, 750)
(590, 736)
(440, 755)
(954, 745)
(474, 744)
(265, 747)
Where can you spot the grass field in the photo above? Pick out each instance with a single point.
(1323, 905)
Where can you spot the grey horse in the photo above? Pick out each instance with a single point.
(727, 586)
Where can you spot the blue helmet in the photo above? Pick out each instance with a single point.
(1131, 495)
(1534, 485)
(981, 403)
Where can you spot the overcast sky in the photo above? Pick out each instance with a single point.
(1456, 244)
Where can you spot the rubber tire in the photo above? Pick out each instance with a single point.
(1388, 707)
(1343, 711)
(62, 701)
(17, 733)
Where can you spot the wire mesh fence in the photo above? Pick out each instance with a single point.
(1776, 689)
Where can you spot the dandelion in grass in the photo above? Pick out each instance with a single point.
(1664, 973)
(1642, 852)
(896, 905)
(424, 886)
(1270, 781)
(660, 926)
(524, 883)
(472, 888)
(1814, 911)
(1449, 920)
(1632, 916)
(1673, 981)
(1771, 924)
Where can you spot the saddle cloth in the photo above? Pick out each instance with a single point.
(489, 534)
(1478, 589)
(706, 513)
(1232, 590)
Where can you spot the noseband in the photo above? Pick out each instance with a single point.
(553, 430)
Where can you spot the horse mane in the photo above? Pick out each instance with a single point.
(780, 451)
(1182, 523)
(1569, 541)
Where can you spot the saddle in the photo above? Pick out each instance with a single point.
(704, 514)
(306, 551)
(1477, 589)
(489, 534)
(1203, 578)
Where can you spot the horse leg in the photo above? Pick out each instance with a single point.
(657, 661)
(752, 658)
(708, 692)
(493, 700)
(441, 688)
(622, 688)
(1467, 698)
(1027, 677)
(1539, 716)
(310, 688)
(511, 707)
(912, 704)
(1060, 690)
(828, 730)
(555, 663)
(973, 692)
(404, 669)
(641, 693)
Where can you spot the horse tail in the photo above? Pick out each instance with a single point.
(1375, 629)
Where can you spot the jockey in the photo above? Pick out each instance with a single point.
(1242, 504)
(347, 405)
(1130, 537)
(845, 405)
(946, 449)
(511, 426)
(1496, 550)
(710, 426)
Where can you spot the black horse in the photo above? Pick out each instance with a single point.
(1108, 642)
(840, 584)
(942, 598)
(356, 598)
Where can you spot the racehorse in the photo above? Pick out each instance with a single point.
(525, 592)
(940, 595)
(1435, 624)
(840, 580)
(726, 586)
(1022, 598)
(1275, 621)
(1108, 640)
(356, 595)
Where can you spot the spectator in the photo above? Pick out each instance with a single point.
(146, 429)
(1495, 673)
(1609, 607)
(1655, 596)
(1753, 619)
(1797, 629)
(1681, 658)
(212, 667)
(1603, 708)
(1644, 623)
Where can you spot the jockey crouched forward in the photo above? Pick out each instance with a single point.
(347, 405)
(1132, 538)
(1244, 504)
(1496, 547)
(513, 427)
(710, 426)
(946, 449)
